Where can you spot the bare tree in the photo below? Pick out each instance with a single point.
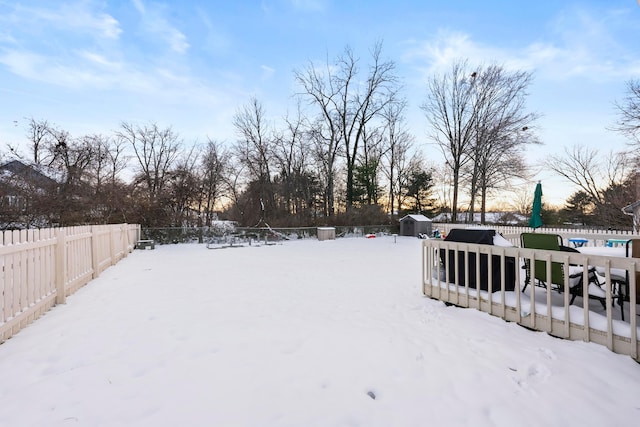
(156, 151)
(398, 143)
(323, 91)
(449, 110)
(39, 136)
(298, 186)
(71, 161)
(478, 117)
(183, 191)
(595, 176)
(108, 190)
(502, 127)
(235, 181)
(214, 163)
(367, 188)
(347, 105)
(521, 200)
(254, 149)
(115, 189)
(443, 188)
(359, 107)
(629, 112)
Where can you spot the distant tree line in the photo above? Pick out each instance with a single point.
(344, 156)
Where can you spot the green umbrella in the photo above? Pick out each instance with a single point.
(536, 212)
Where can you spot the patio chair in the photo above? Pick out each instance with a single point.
(553, 242)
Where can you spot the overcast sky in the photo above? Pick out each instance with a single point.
(88, 65)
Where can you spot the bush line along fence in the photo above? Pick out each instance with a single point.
(203, 234)
(41, 267)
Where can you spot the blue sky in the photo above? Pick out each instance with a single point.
(88, 65)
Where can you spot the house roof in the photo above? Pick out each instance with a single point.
(416, 217)
(27, 172)
(630, 208)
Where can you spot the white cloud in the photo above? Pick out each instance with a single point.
(267, 72)
(439, 53)
(158, 27)
(100, 60)
(177, 40)
(68, 17)
(109, 26)
(139, 6)
(216, 40)
(566, 57)
(43, 69)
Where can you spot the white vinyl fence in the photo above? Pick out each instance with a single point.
(541, 309)
(41, 267)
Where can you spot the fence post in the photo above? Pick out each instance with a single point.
(112, 249)
(124, 240)
(94, 251)
(125, 237)
(61, 266)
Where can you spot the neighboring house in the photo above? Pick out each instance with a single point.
(634, 210)
(26, 173)
(20, 186)
(505, 218)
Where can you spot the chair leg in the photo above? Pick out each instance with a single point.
(527, 278)
(621, 299)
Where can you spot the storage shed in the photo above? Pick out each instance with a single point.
(414, 225)
(326, 233)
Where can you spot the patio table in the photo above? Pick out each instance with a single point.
(578, 242)
(618, 275)
(616, 242)
(619, 251)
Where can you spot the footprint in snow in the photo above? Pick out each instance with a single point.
(548, 353)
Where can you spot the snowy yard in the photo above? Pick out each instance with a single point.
(304, 333)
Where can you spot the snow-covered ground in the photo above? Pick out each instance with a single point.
(304, 333)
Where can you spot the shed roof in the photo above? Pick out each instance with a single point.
(416, 217)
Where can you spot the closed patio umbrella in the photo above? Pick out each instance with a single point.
(536, 212)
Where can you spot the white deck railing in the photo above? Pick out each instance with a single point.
(538, 308)
(41, 267)
(596, 237)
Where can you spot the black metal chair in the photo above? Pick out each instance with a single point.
(554, 242)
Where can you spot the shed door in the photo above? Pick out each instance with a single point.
(410, 228)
